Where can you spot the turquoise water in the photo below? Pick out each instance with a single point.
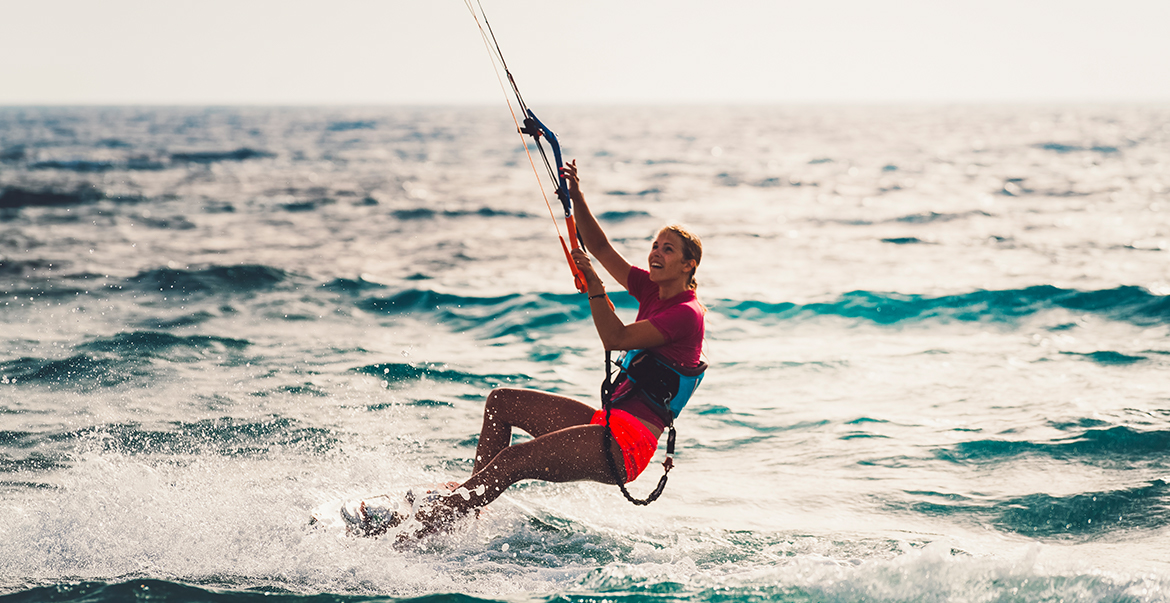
(937, 338)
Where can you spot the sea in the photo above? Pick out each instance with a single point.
(937, 338)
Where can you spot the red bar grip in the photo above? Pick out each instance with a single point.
(571, 226)
(578, 276)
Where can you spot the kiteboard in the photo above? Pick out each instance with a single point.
(377, 514)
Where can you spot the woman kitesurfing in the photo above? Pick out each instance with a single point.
(570, 439)
(573, 441)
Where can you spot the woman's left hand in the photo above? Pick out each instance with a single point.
(581, 259)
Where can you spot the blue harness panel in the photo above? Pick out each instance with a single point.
(666, 386)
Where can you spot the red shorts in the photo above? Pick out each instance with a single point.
(633, 437)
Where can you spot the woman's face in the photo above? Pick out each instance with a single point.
(666, 258)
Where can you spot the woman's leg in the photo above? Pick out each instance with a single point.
(565, 447)
(535, 412)
(570, 454)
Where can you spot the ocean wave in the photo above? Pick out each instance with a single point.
(773, 182)
(241, 154)
(642, 193)
(80, 371)
(13, 153)
(177, 322)
(427, 300)
(18, 439)
(936, 573)
(526, 314)
(24, 268)
(158, 344)
(523, 315)
(74, 165)
(398, 373)
(172, 223)
(422, 299)
(90, 166)
(1108, 357)
(1087, 513)
(931, 217)
(215, 279)
(1128, 304)
(1072, 148)
(16, 198)
(310, 205)
(621, 216)
(346, 126)
(303, 389)
(906, 241)
(153, 589)
(1041, 515)
(224, 436)
(1108, 444)
(32, 463)
(115, 360)
(426, 213)
(351, 286)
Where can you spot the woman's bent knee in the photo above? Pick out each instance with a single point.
(503, 394)
(500, 397)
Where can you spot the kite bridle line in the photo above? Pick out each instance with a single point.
(536, 129)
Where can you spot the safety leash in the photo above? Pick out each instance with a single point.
(607, 388)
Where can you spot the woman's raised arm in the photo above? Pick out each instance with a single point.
(591, 234)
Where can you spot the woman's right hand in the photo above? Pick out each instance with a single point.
(581, 260)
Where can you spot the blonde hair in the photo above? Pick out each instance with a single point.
(692, 248)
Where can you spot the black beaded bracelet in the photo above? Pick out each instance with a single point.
(592, 297)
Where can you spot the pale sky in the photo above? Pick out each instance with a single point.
(583, 52)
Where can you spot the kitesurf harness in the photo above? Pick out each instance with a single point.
(665, 386)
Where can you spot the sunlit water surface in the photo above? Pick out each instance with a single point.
(937, 338)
